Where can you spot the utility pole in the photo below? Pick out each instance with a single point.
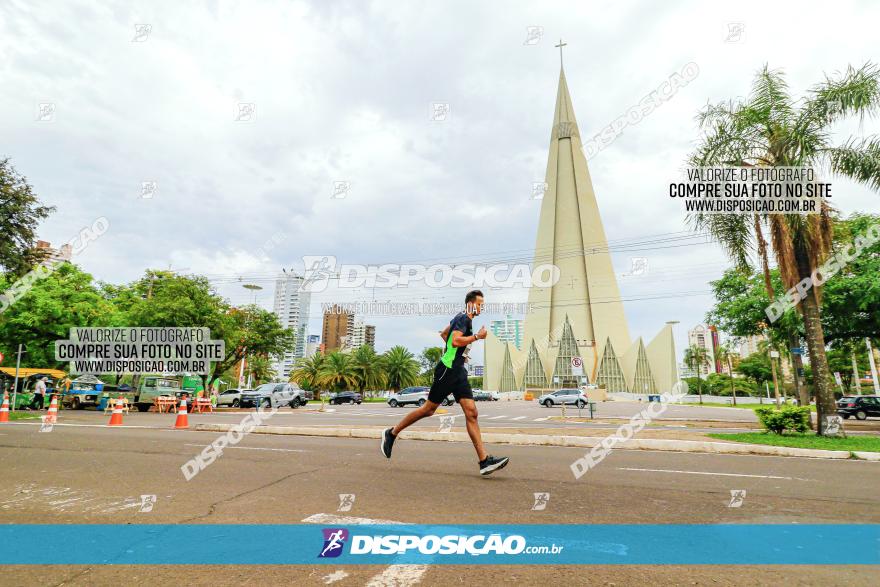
(15, 385)
(773, 356)
(873, 365)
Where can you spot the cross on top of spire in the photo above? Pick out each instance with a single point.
(560, 46)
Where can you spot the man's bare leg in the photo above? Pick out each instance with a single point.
(414, 416)
(469, 407)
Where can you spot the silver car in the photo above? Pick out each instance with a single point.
(231, 397)
(414, 396)
(564, 396)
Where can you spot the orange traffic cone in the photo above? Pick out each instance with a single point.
(4, 410)
(182, 420)
(52, 415)
(116, 416)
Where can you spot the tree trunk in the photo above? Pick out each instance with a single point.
(798, 362)
(825, 404)
(732, 382)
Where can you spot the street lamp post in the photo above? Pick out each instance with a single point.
(15, 385)
(254, 288)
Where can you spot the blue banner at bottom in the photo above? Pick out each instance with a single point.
(301, 544)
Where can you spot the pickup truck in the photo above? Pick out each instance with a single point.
(152, 386)
(273, 395)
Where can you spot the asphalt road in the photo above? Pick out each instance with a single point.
(97, 475)
(493, 415)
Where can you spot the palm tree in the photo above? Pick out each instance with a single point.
(337, 372)
(401, 368)
(725, 354)
(695, 357)
(259, 369)
(307, 371)
(367, 367)
(770, 128)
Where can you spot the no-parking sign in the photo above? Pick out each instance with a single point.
(577, 366)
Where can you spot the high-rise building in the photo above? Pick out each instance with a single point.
(356, 333)
(508, 330)
(370, 336)
(313, 345)
(579, 333)
(705, 337)
(54, 255)
(292, 308)
(749, 345)
(337, 329)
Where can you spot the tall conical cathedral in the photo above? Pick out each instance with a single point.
(582, 314)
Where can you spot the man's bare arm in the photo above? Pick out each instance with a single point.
(444, 334)
(460, 340)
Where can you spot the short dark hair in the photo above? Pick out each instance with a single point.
(472, 295)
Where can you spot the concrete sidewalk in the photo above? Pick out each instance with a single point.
(523, 438)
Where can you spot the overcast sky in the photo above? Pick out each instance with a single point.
(343, 92)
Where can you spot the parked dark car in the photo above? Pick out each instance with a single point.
(860, 406)
(345, 397)
(485, 396)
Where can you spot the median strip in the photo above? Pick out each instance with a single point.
(559, 440)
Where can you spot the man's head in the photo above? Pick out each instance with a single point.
(474, 302)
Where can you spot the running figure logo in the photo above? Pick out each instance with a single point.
(334, 540)
(737, 497)
(541, 501)
(318, 271)
(346, 500)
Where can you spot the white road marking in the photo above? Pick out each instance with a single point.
(519, 418)
(495, 417)
(399, 576)
(392, 576)
(710, 473)
(541, 419)
(333, 577)
(252, 448)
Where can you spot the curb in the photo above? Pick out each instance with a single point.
(695, 446)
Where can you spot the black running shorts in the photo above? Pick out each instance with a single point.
(446, 381)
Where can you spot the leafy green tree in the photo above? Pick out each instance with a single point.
(770, 128)
(428, 359)
(401, 368)
(20, 213)
(337, 372)
(851, 298)
(65, 298)
(696, 357)
(248, 331)
(757, 368)
(367, 366)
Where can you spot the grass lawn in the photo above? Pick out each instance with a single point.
(739, 405)
(24, 416)
(859, 443)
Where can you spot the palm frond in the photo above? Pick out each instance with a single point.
(770, 99)
(857, 91)
(857, 159)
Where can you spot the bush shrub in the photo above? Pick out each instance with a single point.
(786, 418)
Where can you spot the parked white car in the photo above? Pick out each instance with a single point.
(231, 397)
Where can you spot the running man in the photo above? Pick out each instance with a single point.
(450, 376)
